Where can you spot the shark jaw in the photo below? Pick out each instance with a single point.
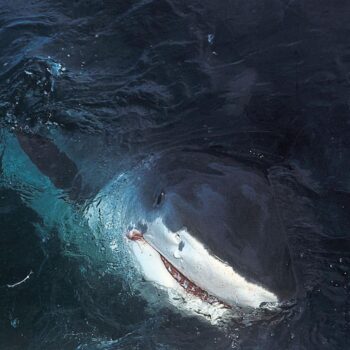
(181, 279)
(179, 262)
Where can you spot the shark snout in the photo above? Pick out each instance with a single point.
(134, 235)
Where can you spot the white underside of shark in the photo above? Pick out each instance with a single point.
(195, 262)
(150, 264)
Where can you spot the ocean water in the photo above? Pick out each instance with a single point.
(112, 84)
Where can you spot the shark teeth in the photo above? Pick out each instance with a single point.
(182, 280)
(189, 286)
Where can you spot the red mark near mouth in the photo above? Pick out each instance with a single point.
(135, 235)
(183, 281)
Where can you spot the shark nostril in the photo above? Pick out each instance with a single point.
(181, 246)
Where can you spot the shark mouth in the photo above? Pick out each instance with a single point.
(179, 277)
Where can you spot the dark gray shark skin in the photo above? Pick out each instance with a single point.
(53, 163)
(229, 207)
(226, 205)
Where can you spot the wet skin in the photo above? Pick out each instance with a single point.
(226, 206)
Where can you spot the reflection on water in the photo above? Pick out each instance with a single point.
(105, 86)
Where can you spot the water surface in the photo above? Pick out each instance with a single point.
(114, 82)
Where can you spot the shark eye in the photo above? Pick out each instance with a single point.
(160, 198)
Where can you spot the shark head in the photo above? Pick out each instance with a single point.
(210, 227)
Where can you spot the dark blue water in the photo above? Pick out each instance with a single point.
(112, 82)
